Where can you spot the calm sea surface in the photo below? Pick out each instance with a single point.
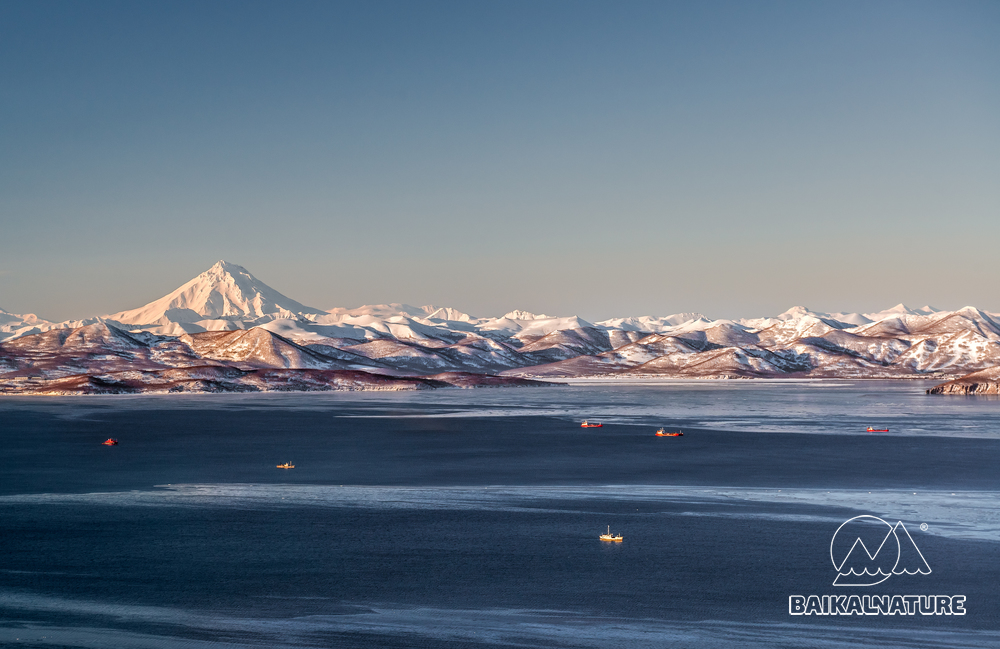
(469, 518)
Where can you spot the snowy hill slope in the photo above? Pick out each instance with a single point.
(258, 348)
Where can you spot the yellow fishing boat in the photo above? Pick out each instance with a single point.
(286, 465)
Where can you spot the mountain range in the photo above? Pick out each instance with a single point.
(227, 330)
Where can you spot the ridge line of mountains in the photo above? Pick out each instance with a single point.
(225, 330)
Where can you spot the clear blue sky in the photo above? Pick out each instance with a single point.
(599, 159)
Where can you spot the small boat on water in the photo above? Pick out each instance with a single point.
(286, 465)
(663, 433)
(877, 430)
(614, 538)
(111, 441)
(587, 424)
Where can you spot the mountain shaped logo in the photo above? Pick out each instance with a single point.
(894, 553)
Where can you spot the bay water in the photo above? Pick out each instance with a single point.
(470, 518)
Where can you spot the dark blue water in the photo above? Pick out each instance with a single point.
(470, 518)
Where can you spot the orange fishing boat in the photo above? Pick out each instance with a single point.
(877, 430)
(110, 442)
(587, 424)
(663, 433)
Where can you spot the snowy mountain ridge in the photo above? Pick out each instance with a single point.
(205, 317)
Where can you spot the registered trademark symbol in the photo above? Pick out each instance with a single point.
(923, 527)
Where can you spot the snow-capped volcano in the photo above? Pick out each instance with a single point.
(224, 291)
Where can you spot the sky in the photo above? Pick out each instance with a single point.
(600, 159)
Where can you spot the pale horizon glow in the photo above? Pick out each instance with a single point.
(593, 159)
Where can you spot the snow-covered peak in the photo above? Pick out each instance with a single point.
(853, 319)
(807, 318)
(223, 291)
(901, 310)
(449, 314)
(797, 312)
(807, 325)
(13, 325)
(19, 319)
(650, 324)
(981, 318)
(536, 327)
(518, 314)
(791, 315)
(972, 312)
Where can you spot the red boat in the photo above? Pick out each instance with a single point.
(587, 424)
(110, 442)
(877, 430)
(662, 433)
